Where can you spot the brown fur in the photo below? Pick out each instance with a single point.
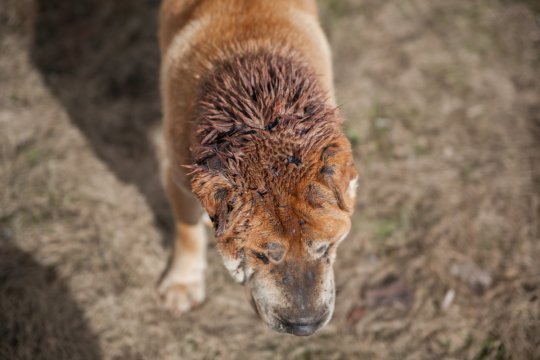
(249, 113)
(261, 125)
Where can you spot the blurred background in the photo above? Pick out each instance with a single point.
(442, 101)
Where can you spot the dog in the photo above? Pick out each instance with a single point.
(254, 138)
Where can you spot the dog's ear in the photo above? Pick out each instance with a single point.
(217, 195)
(214, 192)
(338, 172)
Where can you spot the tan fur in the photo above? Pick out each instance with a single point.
(224, 128)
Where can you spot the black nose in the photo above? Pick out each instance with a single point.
(302, 327)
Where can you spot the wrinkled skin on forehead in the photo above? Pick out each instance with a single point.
(276, 176)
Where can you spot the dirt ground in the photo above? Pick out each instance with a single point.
(442, 100)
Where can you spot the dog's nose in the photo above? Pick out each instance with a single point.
(302, 326)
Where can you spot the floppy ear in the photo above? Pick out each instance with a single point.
(338, 172)
(213, 190)
(216, 194)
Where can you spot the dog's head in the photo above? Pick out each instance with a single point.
(279, 238)
(280, 190)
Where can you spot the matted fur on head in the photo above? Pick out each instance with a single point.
(264, 131)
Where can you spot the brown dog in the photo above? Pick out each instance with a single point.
(249, 108)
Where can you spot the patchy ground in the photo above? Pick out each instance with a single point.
(443, 107)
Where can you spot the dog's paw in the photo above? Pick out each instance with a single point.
(180, 296)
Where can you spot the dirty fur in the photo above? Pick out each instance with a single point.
(263, 125)
(261, 112)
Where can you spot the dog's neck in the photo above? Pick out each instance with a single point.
(261, 120)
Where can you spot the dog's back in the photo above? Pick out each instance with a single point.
(194, 35)
(209, 29)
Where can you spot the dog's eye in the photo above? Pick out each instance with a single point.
(276, 255)
(261, 257)
(322, 249)
(275, 251)
(319, 250)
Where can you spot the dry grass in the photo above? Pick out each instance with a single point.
(443, 109)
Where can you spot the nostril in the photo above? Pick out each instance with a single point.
(302, 326)
(302, 329)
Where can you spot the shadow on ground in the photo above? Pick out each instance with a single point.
(100, 59)
(38, 317)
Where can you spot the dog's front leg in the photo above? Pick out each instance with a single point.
(182, 286)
